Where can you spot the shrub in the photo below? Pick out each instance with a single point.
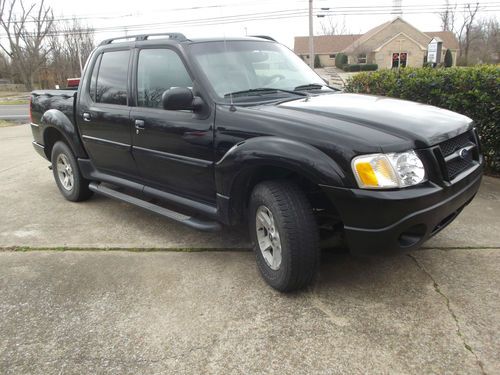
(359, 67)
(472, 91)
(448, 59)
(368, 67)
(340, 60)
(317, 62)
(352, 68)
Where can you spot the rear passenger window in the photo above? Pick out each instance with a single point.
(112, 78)
(159, 70)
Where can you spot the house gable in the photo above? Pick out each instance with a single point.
(401, 34)
(376, 37)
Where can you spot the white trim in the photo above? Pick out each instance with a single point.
(407, 59)
(394, 37)
(409, 24)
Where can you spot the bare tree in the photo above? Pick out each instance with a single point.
(448, 17)
(71, 45)
(332, 26)
(464, 32)
(26, 29)
(461, 23)
(485, 47)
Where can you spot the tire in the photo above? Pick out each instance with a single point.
(67, 174)
(295, 232)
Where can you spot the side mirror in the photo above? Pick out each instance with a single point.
(179, 98)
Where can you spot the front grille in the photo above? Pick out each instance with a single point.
(451, 145)
(459, 153)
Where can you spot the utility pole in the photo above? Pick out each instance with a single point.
(311, 35)
(80, 60)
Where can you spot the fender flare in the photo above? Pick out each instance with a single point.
(54, 118)
(301, 158)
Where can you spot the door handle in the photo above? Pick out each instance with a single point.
(86, 116)
(139, 125)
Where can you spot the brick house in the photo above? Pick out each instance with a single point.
(387, 45)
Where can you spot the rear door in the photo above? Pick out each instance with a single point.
(104, 114)
(173, 149)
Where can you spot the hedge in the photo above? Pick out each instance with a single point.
(359, 67)
(340, 60)
(471, 91)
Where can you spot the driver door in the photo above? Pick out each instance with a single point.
(173, 149)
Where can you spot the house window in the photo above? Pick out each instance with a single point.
(332, 56)
(399, 59)
(362, 58)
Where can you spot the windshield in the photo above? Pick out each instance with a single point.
(252, 68)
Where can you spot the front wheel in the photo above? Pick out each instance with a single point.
(285, 235)
(68, 177)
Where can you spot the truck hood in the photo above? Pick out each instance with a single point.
(375, 118)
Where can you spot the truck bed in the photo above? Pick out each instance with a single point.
(43, 100)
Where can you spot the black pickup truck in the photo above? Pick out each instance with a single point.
(228, 131)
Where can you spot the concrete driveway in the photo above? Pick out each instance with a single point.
(124, 312)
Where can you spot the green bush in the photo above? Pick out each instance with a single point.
(368, 67)
(351, 68)
(317, 62)
(359, 67)
(340, 60)
(448, 59)
(471, 91)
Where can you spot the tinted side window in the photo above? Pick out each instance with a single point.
(93, 78)
(159, 70)
(112, 78)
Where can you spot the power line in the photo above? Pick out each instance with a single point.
(264, 16)
(342, 10)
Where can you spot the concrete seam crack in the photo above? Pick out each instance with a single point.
(438, 290)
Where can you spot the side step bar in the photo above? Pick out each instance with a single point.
(203, 225)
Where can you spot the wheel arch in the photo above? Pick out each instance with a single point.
(268, 158)
(58, 127)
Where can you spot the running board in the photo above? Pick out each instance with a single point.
(204, 225)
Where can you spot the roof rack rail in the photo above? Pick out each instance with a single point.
(263, 37)
(174, 36)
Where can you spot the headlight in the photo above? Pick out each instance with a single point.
(385, 171)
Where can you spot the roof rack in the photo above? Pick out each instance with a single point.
(174, 36)
(263, 37)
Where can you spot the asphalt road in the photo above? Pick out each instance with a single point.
(14, 112)
(436, 311)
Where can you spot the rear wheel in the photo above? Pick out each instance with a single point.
(285, 235)
(68, 177)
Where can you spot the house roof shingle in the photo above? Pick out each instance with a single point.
(328, 44)
(324, 44)
(449, 39)
(365, 37)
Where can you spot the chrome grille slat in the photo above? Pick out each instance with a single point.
(454, 162)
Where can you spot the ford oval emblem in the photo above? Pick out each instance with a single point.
(463, 153)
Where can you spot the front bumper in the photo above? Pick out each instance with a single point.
(400, 220)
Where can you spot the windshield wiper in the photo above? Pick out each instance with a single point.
(262, 91)
(313, 86)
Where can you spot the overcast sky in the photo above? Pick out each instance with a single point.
(285, 18)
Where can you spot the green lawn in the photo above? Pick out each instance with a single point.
(5, 123)
(14, 102)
